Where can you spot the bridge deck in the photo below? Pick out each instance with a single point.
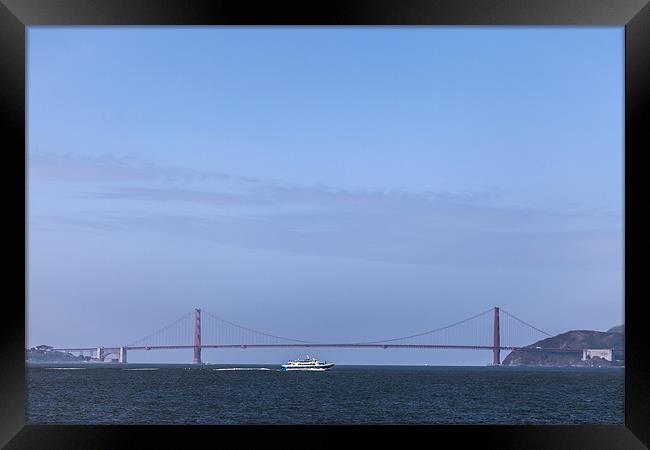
(326, 345)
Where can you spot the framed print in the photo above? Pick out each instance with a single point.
(369, 217)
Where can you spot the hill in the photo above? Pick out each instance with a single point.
(617, 329)
(45, 353)
(571, 340)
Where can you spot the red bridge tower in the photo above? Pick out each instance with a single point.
(496, 344)
(197, 336)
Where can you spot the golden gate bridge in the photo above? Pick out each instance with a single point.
(494, 329)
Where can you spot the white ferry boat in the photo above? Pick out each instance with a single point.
(307, 364)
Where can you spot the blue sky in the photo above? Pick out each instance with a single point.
(349, 183)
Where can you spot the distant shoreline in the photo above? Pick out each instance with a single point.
(219, 365)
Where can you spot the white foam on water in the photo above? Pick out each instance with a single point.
(144, 368)
(65, 368)
(244, 368)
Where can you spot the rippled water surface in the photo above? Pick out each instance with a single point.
(174, 394)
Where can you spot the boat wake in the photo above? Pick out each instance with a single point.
(144, 368)
(245, 368)
(65, 368)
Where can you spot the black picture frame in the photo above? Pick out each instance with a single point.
(16, 15)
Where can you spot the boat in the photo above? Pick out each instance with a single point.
(307, 364)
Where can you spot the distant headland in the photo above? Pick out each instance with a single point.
(599, 349)
(46, 353)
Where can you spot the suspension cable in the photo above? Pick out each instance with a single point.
(185, 316)
(525, 323)
(430, 331)
(254, 331)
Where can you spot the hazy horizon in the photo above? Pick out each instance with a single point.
(330, 184)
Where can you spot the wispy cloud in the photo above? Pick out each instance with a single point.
(72, 167)
(402, 226)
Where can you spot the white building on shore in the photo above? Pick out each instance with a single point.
(606, 354)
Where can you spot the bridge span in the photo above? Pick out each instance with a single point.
(467, 334)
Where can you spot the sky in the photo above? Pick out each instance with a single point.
(322, 183)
